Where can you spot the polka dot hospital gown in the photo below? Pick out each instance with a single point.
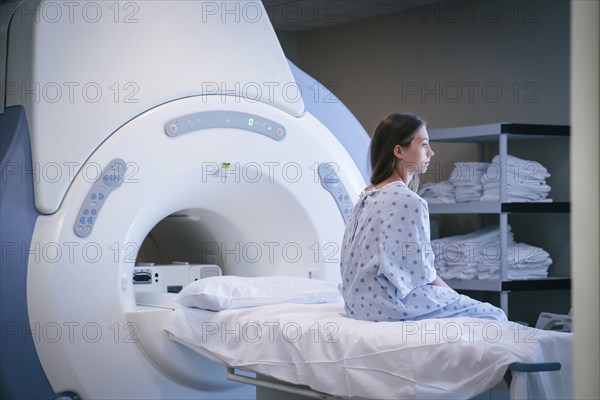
(387, 262)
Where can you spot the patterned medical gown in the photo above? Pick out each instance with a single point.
(387, 262)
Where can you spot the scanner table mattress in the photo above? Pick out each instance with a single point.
(318, 346)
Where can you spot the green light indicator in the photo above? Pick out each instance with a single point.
(250, 121)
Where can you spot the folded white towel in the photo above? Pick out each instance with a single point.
(526, 181)
(438, 192)
(519, 171)
(480, 181)
(519, 187)
(477, 255)
(465, 173)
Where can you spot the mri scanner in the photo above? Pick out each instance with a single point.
(136, 135)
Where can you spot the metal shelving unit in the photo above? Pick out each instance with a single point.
(497, 207)
(502, 133)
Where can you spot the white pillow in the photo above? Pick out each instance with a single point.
(227, 292)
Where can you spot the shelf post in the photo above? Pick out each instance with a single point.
(503, 152)
(504, 246)
(504, 301)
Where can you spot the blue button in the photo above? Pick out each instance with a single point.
(340, 197)
(82, 220)
(86, 212)
(100, 196)
(346, 197)
(90, 220)
(113, 179)
(93, 196)
(93, 212)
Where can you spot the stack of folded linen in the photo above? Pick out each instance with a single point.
(438, 193)
(526, 181)
(477, 255)
(466, 177)
(524, 262)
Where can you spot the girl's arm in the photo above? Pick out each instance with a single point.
(439, 282)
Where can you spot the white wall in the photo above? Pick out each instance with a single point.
(585, 186)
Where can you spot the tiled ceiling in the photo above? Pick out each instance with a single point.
(303, 15)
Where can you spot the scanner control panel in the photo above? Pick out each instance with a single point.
(111, 178)
(332, 183)
(225, 119)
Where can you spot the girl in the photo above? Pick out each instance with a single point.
(387, 260)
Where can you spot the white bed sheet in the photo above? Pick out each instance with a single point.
(316, 345)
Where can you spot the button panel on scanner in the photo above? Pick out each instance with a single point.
(111, 178)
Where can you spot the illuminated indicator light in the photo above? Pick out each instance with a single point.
(279, 132)
(225, 165)
(250, 121)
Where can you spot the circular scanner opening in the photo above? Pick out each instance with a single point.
(261, 229)
(181, 248)
(181, 237)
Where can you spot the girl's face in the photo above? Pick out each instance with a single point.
(416, 157)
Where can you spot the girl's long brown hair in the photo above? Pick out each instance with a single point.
(395, 129)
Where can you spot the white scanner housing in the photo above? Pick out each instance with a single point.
(163, 131)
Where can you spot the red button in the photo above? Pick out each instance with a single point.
(279, 132)
(173, 128)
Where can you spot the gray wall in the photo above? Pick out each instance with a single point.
(451, 63)
(417, 61)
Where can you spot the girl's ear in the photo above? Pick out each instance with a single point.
(398, 151)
